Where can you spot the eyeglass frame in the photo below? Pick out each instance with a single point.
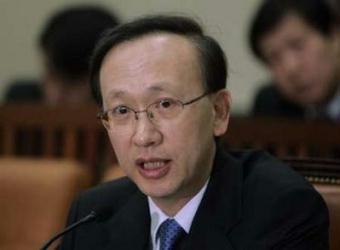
(101, 115)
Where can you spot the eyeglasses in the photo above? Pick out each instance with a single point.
(163, 109)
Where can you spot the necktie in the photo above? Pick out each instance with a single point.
(169, 233)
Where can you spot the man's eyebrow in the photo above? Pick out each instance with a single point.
(157, 88)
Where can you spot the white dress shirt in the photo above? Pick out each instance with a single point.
(184, 217)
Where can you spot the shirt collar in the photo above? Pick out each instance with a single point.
(184, 217)
(333, 108)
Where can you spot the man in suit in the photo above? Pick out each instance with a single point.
(160, 82)
(299, 44)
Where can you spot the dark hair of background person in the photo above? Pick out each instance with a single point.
(68, 38)
(212, 58)
(316, 13)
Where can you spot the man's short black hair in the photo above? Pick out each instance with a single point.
(212, 58)
(69, 36)
(318, 14)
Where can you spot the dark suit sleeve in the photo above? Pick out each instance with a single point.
(301, 221)
(270, 102)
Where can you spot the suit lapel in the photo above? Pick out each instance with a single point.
(130, 227)
(220, 208)
(218, 212)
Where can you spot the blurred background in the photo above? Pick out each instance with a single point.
(227, 21)
(59, 150)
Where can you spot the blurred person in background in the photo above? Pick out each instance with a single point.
(299, 43)
(65, 44)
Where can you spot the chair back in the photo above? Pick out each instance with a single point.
(284, 137)
(35, 196)
(71, 132)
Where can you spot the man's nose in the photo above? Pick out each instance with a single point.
(291, 64)
(148, 113)
(146, 133)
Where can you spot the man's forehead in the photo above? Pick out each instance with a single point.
(155, 63)
(165, 49)
(290, 27)
(159, 41)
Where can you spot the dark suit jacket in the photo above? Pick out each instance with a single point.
(270, 102)
(252, 202)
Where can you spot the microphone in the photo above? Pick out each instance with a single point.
(104, 212)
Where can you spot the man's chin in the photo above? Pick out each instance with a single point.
(156, 191)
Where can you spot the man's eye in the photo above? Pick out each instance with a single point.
(120, 110)
(166, 103)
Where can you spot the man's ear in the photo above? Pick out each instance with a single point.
(222, 103)
(106, 125)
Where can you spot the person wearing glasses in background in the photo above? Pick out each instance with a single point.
(161, 84)
(299, 43)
